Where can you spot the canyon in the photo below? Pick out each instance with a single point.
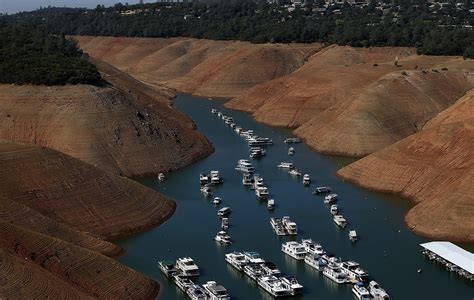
(389, 105)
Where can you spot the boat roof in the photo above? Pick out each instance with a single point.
(452, 253)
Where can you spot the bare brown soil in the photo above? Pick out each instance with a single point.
(39, 266)
(56, 213)
(435, 168)
(201, 67)
(104, 126)
(353, 102)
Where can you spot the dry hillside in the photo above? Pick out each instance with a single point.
(56, 213)
(352, 101)
(108, 127)
(435, 168)
(202, 67)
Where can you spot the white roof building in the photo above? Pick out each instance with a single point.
(452, 253)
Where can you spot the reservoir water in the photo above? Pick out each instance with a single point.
(386, 248)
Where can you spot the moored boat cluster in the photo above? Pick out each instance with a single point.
(265, 274)
(181, 273)
(334, 268)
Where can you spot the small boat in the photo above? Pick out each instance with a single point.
(274, 286)
(291, 151)
(306, 180)
(187, 267)
(161, 177)
(312, 247)
(292, 284)
(277, 225)
(270, 268)
(271, 204)
(289, 226)
(254, 257)
(223, 211)
(334, 209)
(354, 272)
(294, 249)
(322, 190)
(294, 172)
(246, 180)
(232, 125)
(219, 114)
(215, 291)
(285, 165)
(223, 238)
(352, 235)
(214, 111)
(377, 292)
(335, 273)
(203, 179)
(238, 129)
(237, 260)
(225, 223)
(292, 140)
(331, 198)
(217, 200)
(340, 221)
(261, 193)
(182, 282)
(254, 271)
(168, 268)
(196, 292)
(360, 291)
(206, 191)
(315, 261)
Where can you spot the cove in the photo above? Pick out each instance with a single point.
(386, 248)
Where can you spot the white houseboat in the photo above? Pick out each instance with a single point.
(340, 221)
(237, 260)
(294, 249)
(216, 291)
(187, 267)
(290, 226)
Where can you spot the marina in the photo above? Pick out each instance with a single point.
(385, 244)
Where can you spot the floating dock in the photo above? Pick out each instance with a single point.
(447, 252)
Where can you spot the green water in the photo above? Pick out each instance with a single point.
(386, 248)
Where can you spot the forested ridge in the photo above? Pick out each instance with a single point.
(29, 55)
(431, 28)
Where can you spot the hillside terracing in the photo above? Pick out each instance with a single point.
(56, 213)
(435, 168)
(351, 101)
(104, 126)
(201, 67)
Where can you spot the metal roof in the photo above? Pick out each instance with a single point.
(452, 253)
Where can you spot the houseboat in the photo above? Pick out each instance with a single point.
(271, 204)
(237, 260)
(274, 286)
(354, 272)
(312, 247)
(261, 193)
(294, 249)
(322, 190)
(292, 140)
(216, 291)
(289, 225)
(331, 198)
(196, 292)
(168, 268)
(187, 267)
(277, 225)
(340, 221)
(290, 282)
(306, 180)
(285, 165)
(223, 211)
(315, 261)
(353, 236)
(361, 292)
(335, 273)
(182, 282)
(377, 292)
(222, 238)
